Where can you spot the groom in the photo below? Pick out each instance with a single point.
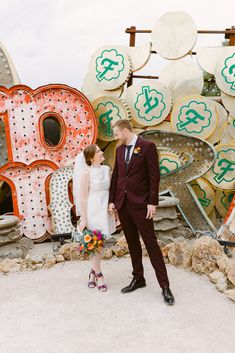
(134, 193)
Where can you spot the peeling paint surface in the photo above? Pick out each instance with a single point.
(60, 206)
(30, 158)
(24, 112)
(31, 198)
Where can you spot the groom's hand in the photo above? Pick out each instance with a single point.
(111, 208)
(151, 211)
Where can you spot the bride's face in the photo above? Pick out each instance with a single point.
(98, 157)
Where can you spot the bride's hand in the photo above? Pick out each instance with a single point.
(82, 224)
(111, 208)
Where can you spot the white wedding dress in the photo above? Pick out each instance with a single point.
(97, 202)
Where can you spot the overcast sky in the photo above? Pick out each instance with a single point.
(51, 41)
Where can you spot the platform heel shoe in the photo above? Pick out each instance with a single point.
(92, 284)
(103, 287)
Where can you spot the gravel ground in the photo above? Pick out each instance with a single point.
(53, 311)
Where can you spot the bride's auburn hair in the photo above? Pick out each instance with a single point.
(89, 153)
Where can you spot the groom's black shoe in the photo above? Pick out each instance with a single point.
(168, 296)
(135, 284)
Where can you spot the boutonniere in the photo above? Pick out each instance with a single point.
(137, 150)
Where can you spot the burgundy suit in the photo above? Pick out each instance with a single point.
(131, 190)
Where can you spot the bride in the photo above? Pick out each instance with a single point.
(91, 182)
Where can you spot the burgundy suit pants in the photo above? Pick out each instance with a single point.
(134, 222)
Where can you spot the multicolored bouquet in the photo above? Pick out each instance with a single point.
(91, 241)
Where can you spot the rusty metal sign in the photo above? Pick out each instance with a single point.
(32, 155)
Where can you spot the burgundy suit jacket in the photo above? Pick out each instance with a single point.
(140, 184)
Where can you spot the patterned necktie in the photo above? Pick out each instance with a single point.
(127, 159)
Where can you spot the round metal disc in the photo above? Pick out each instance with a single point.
(136, 125)
(137, 130)
(231, 121)
(168, 162)
(110, 67)
(223, 200)
(149, 101)
(109, 154)
(107, 111)
(207, 58)
(228, 102)
(93, 91)
(195, 116)
(222, 173)
(225, 71)
(174, 35)
(164, 126)
(229, 154)
(205, 194)
(102, 144)
(139, 55)
(227, 137)
(222, 116)
(183, 79)
(212, 216)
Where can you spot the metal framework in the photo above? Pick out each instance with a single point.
(229, 34)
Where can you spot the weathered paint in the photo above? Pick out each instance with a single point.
(30, 159)
(60, 205)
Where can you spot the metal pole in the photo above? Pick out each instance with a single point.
(132, 31)
(232, 37)
(228, 32)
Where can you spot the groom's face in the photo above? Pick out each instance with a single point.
(119, 135)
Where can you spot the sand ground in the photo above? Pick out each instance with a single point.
(53, 311)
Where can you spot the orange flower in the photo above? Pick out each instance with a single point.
(90, 246)
(137, 150)
(95, 238)
(87, 238)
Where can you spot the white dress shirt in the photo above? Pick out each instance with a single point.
(132, 143)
